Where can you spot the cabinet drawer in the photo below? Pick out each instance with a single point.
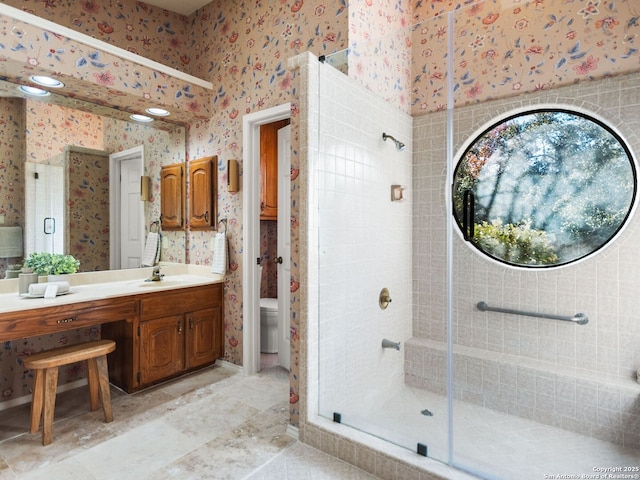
(174, 302)
(109, 312)
(42, 321)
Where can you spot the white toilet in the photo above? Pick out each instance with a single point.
(269, 325)
(268, 322)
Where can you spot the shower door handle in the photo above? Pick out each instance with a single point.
(468, 214)
(49, 227)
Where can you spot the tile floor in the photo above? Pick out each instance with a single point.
(488, 443)
(213, 424)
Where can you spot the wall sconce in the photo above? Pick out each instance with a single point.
(145, 188)
(232, 176)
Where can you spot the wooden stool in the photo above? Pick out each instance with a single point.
(46, 366)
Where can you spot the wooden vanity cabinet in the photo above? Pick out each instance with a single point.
(161, 348)
(203, 176)
(172, 196)
(180, 330)
(177, 331)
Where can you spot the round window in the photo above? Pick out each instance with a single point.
(544, 188)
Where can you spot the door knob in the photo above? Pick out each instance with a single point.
(278, 260)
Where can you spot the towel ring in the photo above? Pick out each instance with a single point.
(156, 225)
(224, 221)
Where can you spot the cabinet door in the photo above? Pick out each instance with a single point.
(202, 192)
(204, 339)
(171, 196)
(161, 348)
(269, 169)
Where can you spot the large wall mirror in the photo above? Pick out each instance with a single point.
(54, 174)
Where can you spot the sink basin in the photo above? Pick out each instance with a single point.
(171, 281)
(162, 283)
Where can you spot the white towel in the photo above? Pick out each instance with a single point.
(10, 242)
(39, 289)
(150, 254)
(219, 262)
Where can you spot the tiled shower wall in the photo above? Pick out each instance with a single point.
(365, 245)
(578, 377)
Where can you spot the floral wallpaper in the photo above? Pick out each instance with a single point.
(140, 28)
(87, 208)
(12, 146)
(268, 252)
(526, 47)
(380, 48)
(96, 76)
(51, 128)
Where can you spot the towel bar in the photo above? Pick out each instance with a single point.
(579, 318)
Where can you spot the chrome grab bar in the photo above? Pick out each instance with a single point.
(579, 318)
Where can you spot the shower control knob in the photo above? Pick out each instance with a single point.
(278, 260)
(384, 298)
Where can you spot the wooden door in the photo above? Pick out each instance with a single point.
(269, 169)
(202, 192)
(202, 337)
(161, 348)
(171, 196)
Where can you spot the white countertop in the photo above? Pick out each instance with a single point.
(108, 284)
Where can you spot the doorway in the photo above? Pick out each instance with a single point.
(251, 242)
(126, 215)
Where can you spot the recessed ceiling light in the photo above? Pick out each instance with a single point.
(140, 118)
(33, 91)
(46, 81)
(158, 112)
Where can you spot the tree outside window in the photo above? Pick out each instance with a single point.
(548, 187)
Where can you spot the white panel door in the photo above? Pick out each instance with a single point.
(284, 246)
(131, 216)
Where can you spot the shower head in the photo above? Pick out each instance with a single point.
(399, 145)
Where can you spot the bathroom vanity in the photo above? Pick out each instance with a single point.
(161, 329)
(175, 332)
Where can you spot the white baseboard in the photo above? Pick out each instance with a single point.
(293, 431)
(14, 402)
(230, 366)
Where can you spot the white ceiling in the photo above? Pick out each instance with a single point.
(185, 7)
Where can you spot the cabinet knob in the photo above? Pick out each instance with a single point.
(179, 327)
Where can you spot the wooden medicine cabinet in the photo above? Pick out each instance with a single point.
(172, 196)
(203, 189)
(269, 169)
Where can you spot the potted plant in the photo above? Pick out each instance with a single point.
(44, 263)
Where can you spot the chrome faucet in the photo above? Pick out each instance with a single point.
(156, 276)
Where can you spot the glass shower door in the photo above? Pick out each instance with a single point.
(45, 204)
(539, 397)
(365, 222)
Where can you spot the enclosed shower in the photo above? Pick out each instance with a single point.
(472, 363)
